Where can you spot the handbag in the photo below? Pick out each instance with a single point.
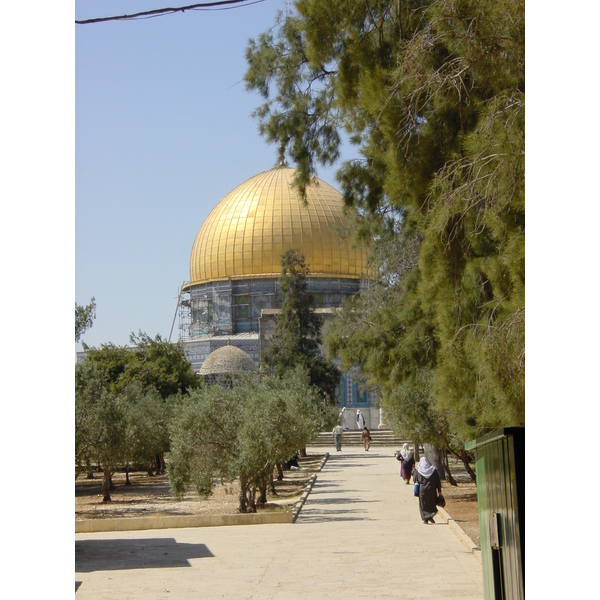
(440, 501)
(416, 489)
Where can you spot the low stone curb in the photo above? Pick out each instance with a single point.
(307, 489)
(178, 521)
(462, 536)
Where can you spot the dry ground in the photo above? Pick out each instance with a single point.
(461, 501)
(151, 496)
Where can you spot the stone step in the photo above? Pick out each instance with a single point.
(352, 438)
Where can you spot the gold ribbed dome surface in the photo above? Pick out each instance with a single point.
(249, 229)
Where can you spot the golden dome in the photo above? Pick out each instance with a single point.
(249, 229)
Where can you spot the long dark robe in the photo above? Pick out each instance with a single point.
(406, 467)
(428, 487)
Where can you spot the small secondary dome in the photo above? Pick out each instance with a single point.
(246, 233)
(227, 360)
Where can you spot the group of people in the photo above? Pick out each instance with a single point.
(428, 486)
(426, 479)
(342, 425)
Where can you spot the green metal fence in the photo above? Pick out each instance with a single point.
(500, 464)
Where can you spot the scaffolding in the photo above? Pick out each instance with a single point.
(231, 307)
(183, 313)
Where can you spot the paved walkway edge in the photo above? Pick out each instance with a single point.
(460, 534)
(307, 489)
(178, 521)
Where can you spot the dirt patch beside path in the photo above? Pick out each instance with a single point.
(151, 496)
(461, 501)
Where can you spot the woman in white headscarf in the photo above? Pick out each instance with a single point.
(407, 462)
(342, 418)
(360, 420)
(429, 488)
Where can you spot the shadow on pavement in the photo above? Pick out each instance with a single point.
(339, 468)
(340, 500)
(111, 555)
(369, 455)
(326, 484)
(322, 489)
(318, 515)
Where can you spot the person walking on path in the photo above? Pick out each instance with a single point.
(366, 437)
(407, 463)
(342, 417)
(337, 436)
(428, 480)
(360, 420)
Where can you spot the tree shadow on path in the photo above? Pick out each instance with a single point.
(322, 509)
(143, 553)
(320, 515)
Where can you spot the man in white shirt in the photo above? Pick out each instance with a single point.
(337, 436)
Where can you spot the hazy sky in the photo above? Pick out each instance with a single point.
(163, 131)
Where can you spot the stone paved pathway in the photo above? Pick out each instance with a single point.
(358, 535)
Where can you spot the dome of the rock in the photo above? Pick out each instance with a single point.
(229, 307)
(246, 233)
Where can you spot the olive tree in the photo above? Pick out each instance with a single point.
(100, 423)
(242, 432)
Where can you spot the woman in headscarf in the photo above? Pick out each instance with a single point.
(342, 418)
(407, 462)
(360, 420)
(429, 487)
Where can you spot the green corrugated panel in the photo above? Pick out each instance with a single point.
(499, 459)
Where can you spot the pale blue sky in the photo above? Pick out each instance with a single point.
(163, 132)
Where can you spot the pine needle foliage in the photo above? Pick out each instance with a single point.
(297, 334)
(432, 92)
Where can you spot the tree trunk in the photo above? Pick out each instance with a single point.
(160, 464)
(449, 477)
(262, 499)
(89, 468)
(106, 483)
(417, 455)
(247, 496)
(127, 482)
(302, 452)
(251, 499)
(435, 458)
(272, 483)
(242, 494)
(279, 472)
(79, 468)
(465, 457)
